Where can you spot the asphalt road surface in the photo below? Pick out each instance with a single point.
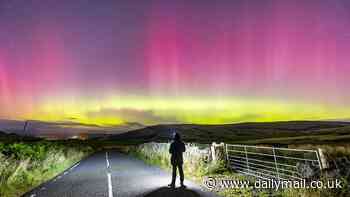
(112, 174)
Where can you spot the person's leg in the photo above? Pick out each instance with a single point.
(182, 177)
(173, 179)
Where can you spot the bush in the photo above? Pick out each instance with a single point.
(24, 166)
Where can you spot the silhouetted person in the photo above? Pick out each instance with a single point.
(177, 148)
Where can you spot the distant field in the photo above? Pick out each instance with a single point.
(294, 132)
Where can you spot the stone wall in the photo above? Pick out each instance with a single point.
(193, 151)
(207, 152)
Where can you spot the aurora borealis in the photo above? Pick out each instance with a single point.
(112, 62)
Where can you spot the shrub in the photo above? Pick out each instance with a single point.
(24, 166)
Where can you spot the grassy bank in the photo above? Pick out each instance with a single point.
(25, 165)
(197, 169)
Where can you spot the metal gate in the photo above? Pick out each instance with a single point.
(272, 162)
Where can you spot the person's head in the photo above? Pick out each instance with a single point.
(177, 137)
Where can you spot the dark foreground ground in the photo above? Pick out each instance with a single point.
(129, 177)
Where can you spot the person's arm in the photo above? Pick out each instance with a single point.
(183, 147)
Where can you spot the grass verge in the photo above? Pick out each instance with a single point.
(25, 165)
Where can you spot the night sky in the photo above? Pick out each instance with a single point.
(112, 62)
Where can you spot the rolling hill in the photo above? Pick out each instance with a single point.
(11, 137)
(249, 133)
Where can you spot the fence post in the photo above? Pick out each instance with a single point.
(322, 162)
(212, 150)
(276, 165)
(246, 157)
(227, 158)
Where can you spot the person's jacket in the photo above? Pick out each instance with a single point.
(176, 149)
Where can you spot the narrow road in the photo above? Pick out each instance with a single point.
(112, 174)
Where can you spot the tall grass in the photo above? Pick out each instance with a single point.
(338, 159)
(24, 166)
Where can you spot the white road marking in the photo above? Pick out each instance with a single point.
(33, 195)
(107, 160)
(72, 168)
(66, 172)
(110, 189)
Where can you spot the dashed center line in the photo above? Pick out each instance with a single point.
(109, 177)
(107, 160)
(110, 189)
